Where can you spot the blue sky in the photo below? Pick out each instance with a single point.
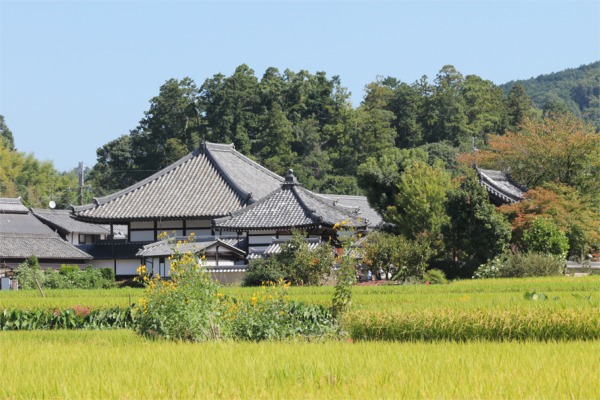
(76, 74)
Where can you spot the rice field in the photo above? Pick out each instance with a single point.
(119, 364)
(562, 292)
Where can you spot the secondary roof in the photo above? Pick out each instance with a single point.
(291, 206)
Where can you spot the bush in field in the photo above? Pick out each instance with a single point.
(407, 258)
(186, 307)
(544, 236)
(78, 317)
(269, 315)
(67, 277)
(301, 265)
(520, 265)
(27, 272)
(262, 270)
(435, 276)
(55, 280)
(189, 307)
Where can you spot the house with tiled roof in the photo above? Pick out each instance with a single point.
(22, 235)
(223, 255)
(213, 182)
(181, 199)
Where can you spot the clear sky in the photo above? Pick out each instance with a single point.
(76, 74)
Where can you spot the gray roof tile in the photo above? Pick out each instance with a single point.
(210, 182)
(64, 222)
(290, 206)
(360, 202)
(43, 247)
(23, 235)
(500, 186)
(195, 245)
(13, 206)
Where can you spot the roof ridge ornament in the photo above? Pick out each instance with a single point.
(290, 179)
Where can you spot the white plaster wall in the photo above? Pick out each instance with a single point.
(141, 236)
(142, 225)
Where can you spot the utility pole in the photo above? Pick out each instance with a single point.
(81, 182)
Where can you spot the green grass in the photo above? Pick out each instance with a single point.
(118, 364)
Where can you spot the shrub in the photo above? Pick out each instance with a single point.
(185, 307)
(531, 264)
(27, 272)
(435, 276)
(269, 315)
(55, 280)
(68, 269)
(262, 270)
(301, 265)
(544, 236)
(408, 258)
(520, 265)
(78, 317)
(67, 277)
(108, 274)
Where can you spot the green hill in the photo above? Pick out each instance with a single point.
(574, 89)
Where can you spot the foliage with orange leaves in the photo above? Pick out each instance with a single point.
(558, 148)
(563, 205)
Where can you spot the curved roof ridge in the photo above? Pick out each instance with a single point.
(329, 202)
(311, 213)
(209, 147)
(245, 209)
(247, 160)
(106, 199)
(337, 203)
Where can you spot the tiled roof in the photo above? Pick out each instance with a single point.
(249, 176)
(23, 235)
(187, 245)
(500, 186)
(64, 222)
(43, 247)
(275, 247)
(23, 224)
(290, 206)
(210, 182)
(360, 202)
(13, 206)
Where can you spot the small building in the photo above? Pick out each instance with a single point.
(22, 235)
(222, 256)
(213, 182)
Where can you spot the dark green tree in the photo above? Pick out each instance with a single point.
(6, 135)
(518, 105)
(476, 231)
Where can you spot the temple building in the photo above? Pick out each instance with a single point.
(500, 187)
(213, 183)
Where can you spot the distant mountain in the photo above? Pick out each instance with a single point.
(574, 89)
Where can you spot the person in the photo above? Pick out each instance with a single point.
(369, 275)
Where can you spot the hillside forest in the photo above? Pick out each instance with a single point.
(409, 147)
